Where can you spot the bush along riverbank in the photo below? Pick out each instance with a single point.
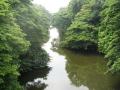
(91, 25)
(23, 30)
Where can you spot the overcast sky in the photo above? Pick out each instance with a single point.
(52, 5)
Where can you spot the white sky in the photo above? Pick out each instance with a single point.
(52, 5)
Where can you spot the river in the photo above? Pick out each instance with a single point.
(68, 70)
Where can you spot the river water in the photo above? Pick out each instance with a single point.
(68, 70)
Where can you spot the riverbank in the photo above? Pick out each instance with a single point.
(70, 70)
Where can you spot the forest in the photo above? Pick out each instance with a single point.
(23, 29)
(91, 26)
(87, 26)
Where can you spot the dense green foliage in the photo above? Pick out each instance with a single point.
(81, 30)
(88, 25)
(82, 33)
(92, 25)
(109, 34)
(61, 20)
(34, 21)
(64, 17)
(22, 25)
(12, 44)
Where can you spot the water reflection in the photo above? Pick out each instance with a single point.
(70, 71)
(28, 79)
(89, 70)
(36, 86)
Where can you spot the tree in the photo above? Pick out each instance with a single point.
(109, 37)
(12, 44)
(34, 20)
(82, 33)
(21, 24)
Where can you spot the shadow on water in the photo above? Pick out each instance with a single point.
(27, 79)
(89, 70)
(70, 71)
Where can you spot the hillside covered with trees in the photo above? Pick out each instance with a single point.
(23, 30)
(87, 26)
(91, 26)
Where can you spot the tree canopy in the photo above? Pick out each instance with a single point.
(23, 26)
(93, 25)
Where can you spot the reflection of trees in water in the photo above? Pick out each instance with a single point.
(35, 57)
(81, 75)
(10, 83)
(36, 86)
(27, 78)
(89, 70)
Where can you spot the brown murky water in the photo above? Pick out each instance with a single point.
(68, 70)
